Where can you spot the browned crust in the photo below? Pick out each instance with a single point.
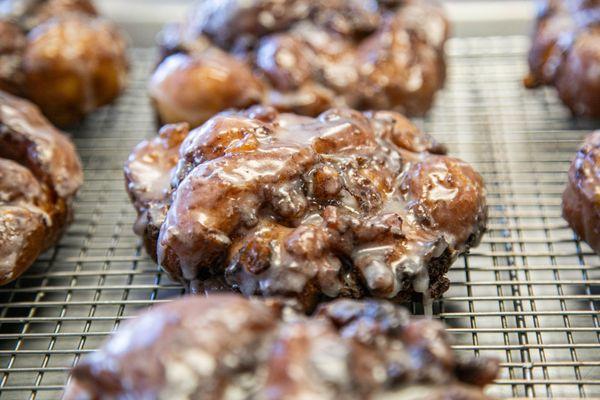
(69, 61)
(40, 174)
(216, 259)
(227, 344)
(565, 53)
(312, 56)
(581, 201)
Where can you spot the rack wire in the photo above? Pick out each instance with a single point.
(529, 294)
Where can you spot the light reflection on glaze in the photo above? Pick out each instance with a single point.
(565, 53)
(346, 204)
(58, 163)
(314, 56)
(581, 198)
(227, 347)
(69, 61)
(39, 176)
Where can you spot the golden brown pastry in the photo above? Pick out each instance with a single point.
(12, 45)
(300, 56)
(176, 76)
(39, 176)
(565, 53)
(581, 199)
(347, 204)
(227, 347)
(60, 55)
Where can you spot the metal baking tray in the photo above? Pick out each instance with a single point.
(529, 294)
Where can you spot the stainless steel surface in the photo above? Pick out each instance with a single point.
(529, 294)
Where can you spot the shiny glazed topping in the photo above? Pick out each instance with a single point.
(346, 204)
(300, 56)
(39, 175)
(62, 56)
(566, 53)
(227, 347)
(581, 199)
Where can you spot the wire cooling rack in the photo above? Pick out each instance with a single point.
(529, 294)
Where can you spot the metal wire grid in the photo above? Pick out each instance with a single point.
(529, 294)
